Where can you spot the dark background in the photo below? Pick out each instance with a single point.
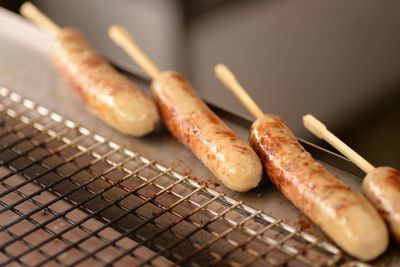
(339, 60)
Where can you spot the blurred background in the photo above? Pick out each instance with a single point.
(339, 60)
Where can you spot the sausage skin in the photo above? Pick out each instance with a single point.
(382, 188)
(190, 120)
(109, 94)
(344, 215)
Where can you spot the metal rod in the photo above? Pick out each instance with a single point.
(120, 217)
(34, 247)
(59, 149)
(77, 155)
(91, 216)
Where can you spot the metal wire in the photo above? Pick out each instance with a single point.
(88, 201)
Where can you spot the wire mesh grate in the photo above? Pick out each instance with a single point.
(71, 197)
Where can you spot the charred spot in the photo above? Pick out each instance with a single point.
(212, 118)
(93, 61)
(195, 131)
(211, 157)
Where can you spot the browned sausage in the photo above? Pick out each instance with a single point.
(109, 94)
(382, 187)
(190, 120)
(344, 215)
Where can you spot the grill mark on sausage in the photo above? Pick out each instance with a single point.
(336, 187)
(226, 133)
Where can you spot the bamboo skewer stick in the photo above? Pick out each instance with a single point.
(122, 38)
(321, 131)
(310, 122)
(32, 13)
(229, 80)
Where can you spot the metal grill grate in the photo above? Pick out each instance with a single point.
(71, 197)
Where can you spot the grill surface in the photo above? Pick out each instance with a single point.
(70, 197)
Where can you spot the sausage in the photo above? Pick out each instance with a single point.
(109, 94)
(382, 188)
(190, 120)
(344, 215)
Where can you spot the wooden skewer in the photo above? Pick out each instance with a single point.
(123, 39)
(321, 131)
(229, 80)
(310, 122)
(31, 12)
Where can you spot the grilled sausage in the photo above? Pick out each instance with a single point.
(109, 94)
(190, 120)
(382, 187)
(344, 215)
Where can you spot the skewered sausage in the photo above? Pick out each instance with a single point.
(109, 94)
(190, 120)
(382, 187)
(344, 215)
